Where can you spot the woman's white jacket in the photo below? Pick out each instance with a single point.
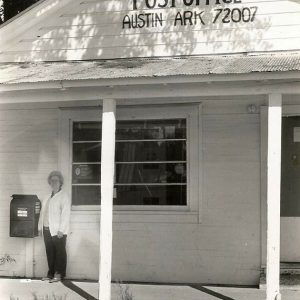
(59, 213)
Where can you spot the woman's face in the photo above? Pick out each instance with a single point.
(55, 183)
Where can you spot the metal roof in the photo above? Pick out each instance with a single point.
(12, 73)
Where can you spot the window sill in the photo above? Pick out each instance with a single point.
(138, 216)
(134, 208)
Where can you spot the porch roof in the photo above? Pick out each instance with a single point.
(14, 73)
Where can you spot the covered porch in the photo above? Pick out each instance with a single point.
(111, 85)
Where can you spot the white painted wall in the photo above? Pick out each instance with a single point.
(224, 248)
(28, 152)
(77, 30)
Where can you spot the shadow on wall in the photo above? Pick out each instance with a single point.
(113, 29)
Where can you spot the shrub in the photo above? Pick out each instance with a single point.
(124, 292)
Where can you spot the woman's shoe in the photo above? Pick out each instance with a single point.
(56, 278)
(46, 278)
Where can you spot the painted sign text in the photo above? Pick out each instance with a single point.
(191, 17)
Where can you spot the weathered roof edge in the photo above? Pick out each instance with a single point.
(42, 72)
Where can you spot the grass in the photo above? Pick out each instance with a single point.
(6, 258)
(124, 292)
(46, 297)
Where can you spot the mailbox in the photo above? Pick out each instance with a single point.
(24, 215)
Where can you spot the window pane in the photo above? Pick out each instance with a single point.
(85, 173)
(132, 195)
(151, 173)
(86, 195)
(151, 195)
(87, 152)
(150, 162)
(86, 131)
(151, 151)
(151, 129)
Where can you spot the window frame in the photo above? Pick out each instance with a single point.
(191, 112)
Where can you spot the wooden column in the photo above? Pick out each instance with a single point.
(107, 186)
(273, 196)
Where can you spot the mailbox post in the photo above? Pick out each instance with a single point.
(24, 216)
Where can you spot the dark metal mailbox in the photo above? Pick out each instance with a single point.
(24, 216)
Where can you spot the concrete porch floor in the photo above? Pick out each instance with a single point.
(23, 289)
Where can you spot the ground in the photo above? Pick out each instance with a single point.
(24, 289)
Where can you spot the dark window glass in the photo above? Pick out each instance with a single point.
(86, 131)
(151, 151)
(151, 195)
(151, 129)
(150, 162)
(132, 195)
(86, 152)
(86, 173)
(151, 173)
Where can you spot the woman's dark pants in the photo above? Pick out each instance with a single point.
(56, 253)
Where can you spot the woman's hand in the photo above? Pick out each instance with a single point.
(60, 234)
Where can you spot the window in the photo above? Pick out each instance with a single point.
(158, 170)
(151, 162)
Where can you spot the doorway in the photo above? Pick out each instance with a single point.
(290, 190)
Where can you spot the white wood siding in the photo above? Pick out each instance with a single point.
(94, 30)
(223, 248)
(28, 152)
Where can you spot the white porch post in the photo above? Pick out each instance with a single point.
(107, 185)
(273, 196)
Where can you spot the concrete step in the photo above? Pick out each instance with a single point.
(286, 268)
(289, 276)
(287, 282)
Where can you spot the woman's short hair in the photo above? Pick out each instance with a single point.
(58, 174)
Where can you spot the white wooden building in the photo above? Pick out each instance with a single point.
(199, 90)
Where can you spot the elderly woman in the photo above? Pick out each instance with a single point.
(54, 225)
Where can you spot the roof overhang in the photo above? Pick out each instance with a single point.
(234, 75)
(155, 69)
